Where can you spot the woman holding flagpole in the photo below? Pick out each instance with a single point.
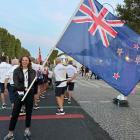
(22, 77)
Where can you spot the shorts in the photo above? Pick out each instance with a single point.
(70, 86)
(59, 91)
(2, 88)
(40, 81)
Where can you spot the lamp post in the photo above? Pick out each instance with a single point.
(108, 6)
(120, 100)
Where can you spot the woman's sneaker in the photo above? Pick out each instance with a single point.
(22, 112)
(7, 137)
(27, 134)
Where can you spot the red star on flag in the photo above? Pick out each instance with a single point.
(116, 76)
(136, 46)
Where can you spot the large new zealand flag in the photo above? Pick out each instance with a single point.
(104, 44)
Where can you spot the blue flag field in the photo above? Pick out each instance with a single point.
(103, 43)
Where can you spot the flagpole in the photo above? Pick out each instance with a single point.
(52, 50)
(43, 65)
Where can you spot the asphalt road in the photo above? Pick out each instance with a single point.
(75, 125)
(97, 118)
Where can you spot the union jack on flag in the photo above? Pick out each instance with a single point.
(98, 21)
(104, 44)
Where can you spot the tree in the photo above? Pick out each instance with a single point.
(130, 12)
(24, 52)
(53, 56)
(10, 45)
(17, 48)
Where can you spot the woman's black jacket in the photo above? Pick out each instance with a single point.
(18, 78)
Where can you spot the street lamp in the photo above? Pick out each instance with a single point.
(108, 6)
(120, 100)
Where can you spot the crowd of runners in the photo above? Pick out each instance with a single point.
(15, 79)
(45, 76)
(59, 77)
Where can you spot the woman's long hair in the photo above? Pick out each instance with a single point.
(29, 65)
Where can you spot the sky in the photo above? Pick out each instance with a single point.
(40, 23)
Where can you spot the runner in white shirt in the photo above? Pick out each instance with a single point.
(9, 78)
(71, 75)
(60, 78)
(4, 67)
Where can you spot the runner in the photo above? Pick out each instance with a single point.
(60, 87)
(4, 67)
(9, 78)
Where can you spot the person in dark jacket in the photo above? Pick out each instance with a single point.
(22, 77)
